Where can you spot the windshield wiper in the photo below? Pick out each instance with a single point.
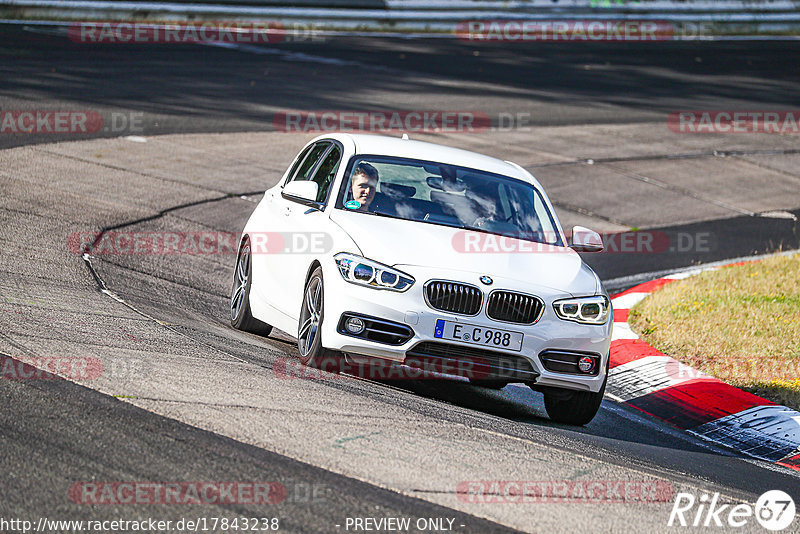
(462, 226)
(383, 214)
(473, 229)
(484, 231)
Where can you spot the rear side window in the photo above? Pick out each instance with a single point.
(297, 163)
(310, 161)
(327, 170)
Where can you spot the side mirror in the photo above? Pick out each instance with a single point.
(304, 191)
(585, 240)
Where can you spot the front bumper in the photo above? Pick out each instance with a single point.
(409, 308)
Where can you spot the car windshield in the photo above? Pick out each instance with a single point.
(447, 195)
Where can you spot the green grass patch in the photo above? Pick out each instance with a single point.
(740, 324)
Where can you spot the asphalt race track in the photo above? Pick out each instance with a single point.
(183, 397)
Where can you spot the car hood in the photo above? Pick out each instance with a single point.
(397, 242)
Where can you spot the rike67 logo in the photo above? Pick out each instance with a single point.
(774, 510)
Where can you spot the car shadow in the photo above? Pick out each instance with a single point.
(614, 425)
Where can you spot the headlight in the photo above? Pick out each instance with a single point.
(361, 271)
(584, 310)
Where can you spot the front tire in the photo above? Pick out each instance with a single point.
(573, 407)
(309, 331)
(241, 318)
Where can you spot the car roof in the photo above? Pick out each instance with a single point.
(407, 148)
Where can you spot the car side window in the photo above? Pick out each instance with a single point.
(311, 160)
(327, 170)
(300, 158)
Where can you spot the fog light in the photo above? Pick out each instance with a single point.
(586, 364)
(354, 325)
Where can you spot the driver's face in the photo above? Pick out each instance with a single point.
(363, 189)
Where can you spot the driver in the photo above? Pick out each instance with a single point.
(364, 184)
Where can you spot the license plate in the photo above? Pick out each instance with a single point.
(478, 335)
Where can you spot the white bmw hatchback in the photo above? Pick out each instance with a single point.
(373, 248)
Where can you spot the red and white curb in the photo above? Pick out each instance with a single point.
(646, 379)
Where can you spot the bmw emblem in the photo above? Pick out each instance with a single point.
(487, 280)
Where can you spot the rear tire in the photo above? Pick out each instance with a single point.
(241, 318)
(573, 407)
(309, 331)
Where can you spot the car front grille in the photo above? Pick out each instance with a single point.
(470, 362)
(453, 297)
(511, 307)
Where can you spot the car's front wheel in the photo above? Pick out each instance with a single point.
(309, 332)
(573, 407)
(241, 318)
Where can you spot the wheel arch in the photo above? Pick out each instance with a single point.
(311, 268)
(245, 237)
